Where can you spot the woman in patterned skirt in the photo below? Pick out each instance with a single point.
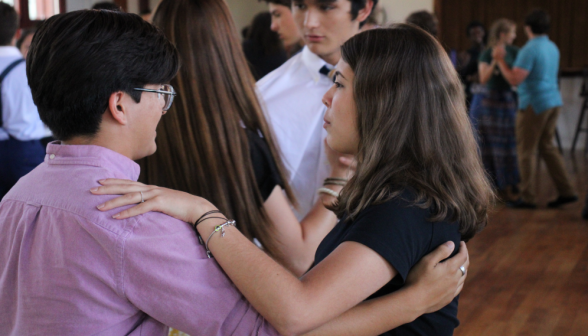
(494, 118)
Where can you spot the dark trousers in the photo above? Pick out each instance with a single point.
(18, 158)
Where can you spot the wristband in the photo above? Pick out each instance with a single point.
(328, 192)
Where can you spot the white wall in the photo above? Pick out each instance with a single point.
(243, 11)
(568, 119)
(398, 10)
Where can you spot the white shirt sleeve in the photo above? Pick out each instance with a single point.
(19, 113)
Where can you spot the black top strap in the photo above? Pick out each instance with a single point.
(2, 76)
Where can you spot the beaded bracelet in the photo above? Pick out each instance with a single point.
(217, 228)
(339, 183)
(200, 240)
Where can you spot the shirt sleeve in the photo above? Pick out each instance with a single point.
(19, 112)
(525, 59)
(167, 275)
(486, 56)
(397, 231)
(265, 169)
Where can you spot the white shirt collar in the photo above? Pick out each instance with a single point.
(313, 63)
(9, 51)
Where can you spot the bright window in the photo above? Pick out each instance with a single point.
(13, 3)
(42, 9)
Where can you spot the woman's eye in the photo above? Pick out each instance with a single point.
(337, 85)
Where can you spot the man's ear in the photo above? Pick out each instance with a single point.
(363, 13)
(116, 108)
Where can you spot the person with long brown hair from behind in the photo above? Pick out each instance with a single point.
(215, 141)
(419, 182)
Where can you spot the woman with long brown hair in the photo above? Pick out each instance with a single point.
(419, 182)
(215, 141)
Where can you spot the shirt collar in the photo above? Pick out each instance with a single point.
(541, 37)
(313, 63)
(90, 155)
(9, 51)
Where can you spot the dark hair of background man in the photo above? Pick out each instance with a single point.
(474, 24)
(539, 21)
(78, 59)
(8, 23)
(356, 5)
(425, 20)
(107, 5)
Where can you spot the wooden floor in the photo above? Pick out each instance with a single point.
(529, 268)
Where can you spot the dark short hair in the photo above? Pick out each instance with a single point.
(287, 3)
(538, 20)
(474, 24)
(8, 23)
(78, 59)
(25, 33)
(425, 20)
(107, 5)
(356, 5)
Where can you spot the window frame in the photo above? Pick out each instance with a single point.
(25, 20)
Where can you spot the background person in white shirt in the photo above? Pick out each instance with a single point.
(293, 93)
(21, 128)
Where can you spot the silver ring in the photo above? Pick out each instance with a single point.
(143, 200)
(463, 270)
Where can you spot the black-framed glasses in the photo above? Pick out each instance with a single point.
(168, 93)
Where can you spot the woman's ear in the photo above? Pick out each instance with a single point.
(116, 108)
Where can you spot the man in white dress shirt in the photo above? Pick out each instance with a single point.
(293, 93)
(21, 128)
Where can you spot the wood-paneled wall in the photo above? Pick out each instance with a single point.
(569, 23)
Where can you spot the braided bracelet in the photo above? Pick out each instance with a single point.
(339, 183)
(217, 228)
(328, 192)
(201, 219)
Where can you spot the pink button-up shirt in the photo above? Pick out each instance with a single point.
(68, 269)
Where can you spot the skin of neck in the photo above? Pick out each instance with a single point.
(332, 58)
(112, 135)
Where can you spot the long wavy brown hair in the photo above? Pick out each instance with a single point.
(202, 145)
(414, 130)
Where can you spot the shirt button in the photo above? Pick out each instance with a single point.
(52, 156)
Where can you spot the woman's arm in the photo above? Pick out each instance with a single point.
(431, 285)
(346, 277)
(298, 241)
(485, 70)
(293, 306)
(514, 76)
